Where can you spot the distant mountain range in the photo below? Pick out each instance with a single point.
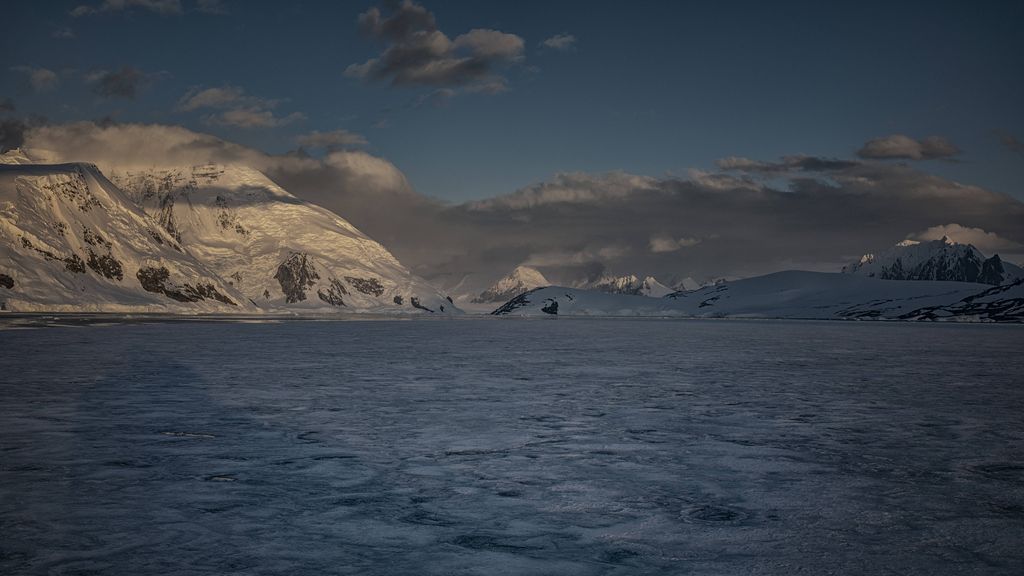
(209, 238)
(934, 280)
(793, 294)
(524, 278)
(226, 239)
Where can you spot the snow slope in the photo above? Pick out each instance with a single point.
(941, 259)
(72, 241)
(278, 250)
(522, 279)
(792, 294)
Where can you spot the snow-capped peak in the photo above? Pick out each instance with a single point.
(942, 259)
(225, 236)
(520, 280)
(629, 284)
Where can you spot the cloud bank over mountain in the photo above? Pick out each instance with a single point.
(747, 217)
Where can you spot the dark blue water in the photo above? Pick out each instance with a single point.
(512, 447)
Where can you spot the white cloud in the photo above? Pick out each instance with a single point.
(987, 242)
(560, 42)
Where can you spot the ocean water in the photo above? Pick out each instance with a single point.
(512, 447)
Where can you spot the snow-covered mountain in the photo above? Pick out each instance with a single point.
(520, 280)
(941, 259)
(72, 241)
(224, 236)
(792, 294)
(280, 251)
(629, 284)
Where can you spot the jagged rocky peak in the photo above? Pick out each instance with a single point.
(520, 280)
(942, 259)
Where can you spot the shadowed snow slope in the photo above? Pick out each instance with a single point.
(793, 294)
(197, 239)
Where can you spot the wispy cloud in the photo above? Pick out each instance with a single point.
(559, 42)
(40, 79)
(901, 147)
(124, 83)
(332, 140)
(236, 107)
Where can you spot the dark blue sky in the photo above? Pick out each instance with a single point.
(650, 88)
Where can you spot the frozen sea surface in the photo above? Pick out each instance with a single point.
(512, 447)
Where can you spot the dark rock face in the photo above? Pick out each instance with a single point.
(992, 271)
(416, 304)
(517, 302)
(371, 286)
(226, 219)
(334, 293)
(72, 263)
(295, 275)
(75, 264)
(1006, 309)
(157, 280)
(6, 281)
(965, 267)
(105, 265)
(399, 300)
(551, 308)
(166, 217)
(75, 191)
(93, 238)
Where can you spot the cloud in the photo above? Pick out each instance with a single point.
(40, 79)
(570, 188)
(238, 109)
(560, 42)
(417, 53)
(198, 97)
(123, 83)
(900, 147)
(13, 130)
(162, 7)
(253, 117)
(788, 164)
(987, 242)
(330, 140)
(666, 243)
(576, 225)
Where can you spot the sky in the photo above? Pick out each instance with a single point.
(653, 88)
(698, 139)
